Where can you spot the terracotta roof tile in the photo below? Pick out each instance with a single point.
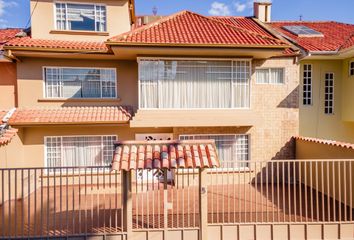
(7, 135)
(71, 115)
(57, 44)
(335, 35)
(246, 23)
(187, 28)
(327, 142)
(131, 155)
(7, 34)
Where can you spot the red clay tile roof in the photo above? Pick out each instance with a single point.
(335, 35)
(349, 43)
(187, 28)
(7, 34)
(71, 115)
(165, 155)
(7, 135)
(28, 42)
(246, 23)
(327, 142)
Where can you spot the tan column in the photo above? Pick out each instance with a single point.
(127, 202)
(203, 204)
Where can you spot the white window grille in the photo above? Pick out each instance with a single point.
(233, 149)
(270, 75)
(184, 84)
(79, 151)
(84, 17)
(329, 93)
(66, 82)
(307, 85)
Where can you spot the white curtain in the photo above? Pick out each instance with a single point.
(270, 75)
(194, 84)
(232, 149)
(79, 151)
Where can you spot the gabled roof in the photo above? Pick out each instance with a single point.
(131, 155)
(28, 42)
(71, 115)
(7, 34)
(190, 29)
(335, 35)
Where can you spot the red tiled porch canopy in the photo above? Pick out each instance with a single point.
(131, 155)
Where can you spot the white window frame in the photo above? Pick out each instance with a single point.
(327, 95)
(196, 59)
(351, 68)
(103, 68)
(61, 146)
(226, 134)
(78, 3)
(308, 85)
(269, 69)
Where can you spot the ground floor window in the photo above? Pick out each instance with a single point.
(79, 150)
(233, 149)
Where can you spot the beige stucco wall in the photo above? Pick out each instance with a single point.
(11, 154)
(7, 85)
(313, 121)
(275, 108)
(31, 81)
(333, 175)
(42, 22)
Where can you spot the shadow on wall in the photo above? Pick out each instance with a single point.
(291, 101)
(288, 151)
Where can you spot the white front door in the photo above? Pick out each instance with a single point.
(154, 174)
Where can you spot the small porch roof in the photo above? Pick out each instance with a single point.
(132, 155)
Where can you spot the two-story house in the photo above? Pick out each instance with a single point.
(86, 78)
(326, 78)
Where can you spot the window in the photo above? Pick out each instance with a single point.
(233, 150)
(351, 68)
(80, 82)
(84, 17)
(329, 93)
(75, 151)
(270, 75)
(194, 84)
(307, 85)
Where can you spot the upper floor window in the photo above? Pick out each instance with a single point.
(351, 68)
(329, 93)
(66, 82)
(270, 75)
(194, 84)
(307, 85)
(82, 17)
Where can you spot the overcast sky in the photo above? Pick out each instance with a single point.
(16, 13)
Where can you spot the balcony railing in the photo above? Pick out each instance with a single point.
(71, 201)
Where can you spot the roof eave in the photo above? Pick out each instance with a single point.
(27, 124)
(112, 43)
(59, 50)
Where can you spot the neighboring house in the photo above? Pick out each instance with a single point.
(85, 80)
(327, 75)
(8, 96)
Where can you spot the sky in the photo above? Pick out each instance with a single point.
(16, 13)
